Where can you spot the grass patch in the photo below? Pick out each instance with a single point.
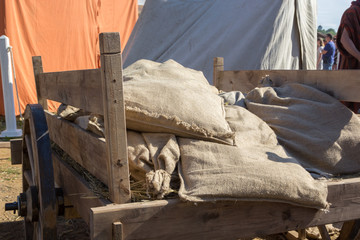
(19, 125)
(12, 171)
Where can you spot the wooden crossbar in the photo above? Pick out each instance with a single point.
(343, 84)
(81, 88)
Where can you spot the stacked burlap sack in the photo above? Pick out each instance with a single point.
(228, 146)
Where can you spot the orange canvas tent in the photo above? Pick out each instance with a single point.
(63, 32)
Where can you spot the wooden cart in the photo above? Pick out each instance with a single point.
(100, 91)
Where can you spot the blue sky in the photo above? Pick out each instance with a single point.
(329, 12)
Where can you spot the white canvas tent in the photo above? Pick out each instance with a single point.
(249, 34)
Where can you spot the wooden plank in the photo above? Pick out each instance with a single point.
(117, 231)
(114, 118)
(324, 232)
(302, 234)
(79, 88)
(84, 147)
(28, 177)
(343, 85)
(38, 70)
(218, 70)
(109, 43)
(292, 235)
(75, 188)
(70, 211)
(16, 149)
(350, 230)
(173, 219)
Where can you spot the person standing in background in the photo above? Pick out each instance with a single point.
(336, 57)
(320, 47)
(328, 53)
(348, 43)
(348, 36)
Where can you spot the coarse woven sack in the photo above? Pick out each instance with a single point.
(153, 157)
(315, 128)
(169, 98)
(257, 169)
(70, 113)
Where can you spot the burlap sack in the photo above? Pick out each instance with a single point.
(96, 124)
(70, 113)
(169, 98)
(258, 169)
(316, 129)
(233, 98)
(153, 157)
(140, 161)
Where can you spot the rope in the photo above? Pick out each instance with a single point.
(14, 74)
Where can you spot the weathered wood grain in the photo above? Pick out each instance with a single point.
(84, 147)
(173, 219)
(38, 70)
(75, 188)
(81, 88)
(218, 70)
(343, 85)
(117, 231)
(16, 149)
(324, 232)
(114, 118)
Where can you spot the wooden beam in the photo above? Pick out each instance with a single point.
(114, 118)
(16, 149)
(38, 70)
(350, 230)
(75, 188)
(218, 70)
(79, 88)
(302, 234)
(84, 147)
(343, 85)
(117, 231)
(324, 232)
(165, 219)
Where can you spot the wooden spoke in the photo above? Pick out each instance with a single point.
(29, 177)
(30, 154)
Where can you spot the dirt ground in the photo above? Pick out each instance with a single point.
(11, 225)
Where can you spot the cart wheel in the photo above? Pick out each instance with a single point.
(38, 202)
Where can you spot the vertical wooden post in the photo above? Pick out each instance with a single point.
(218, 69)
(350, 230)
(114, 117)
(38, 68)
(302, 234)
(324, 232)
(117, 230)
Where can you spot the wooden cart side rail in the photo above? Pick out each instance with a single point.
(343, 84)
(81, 88)
(179, 220)
(84, 147)
(76, 189)
(98, 91)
